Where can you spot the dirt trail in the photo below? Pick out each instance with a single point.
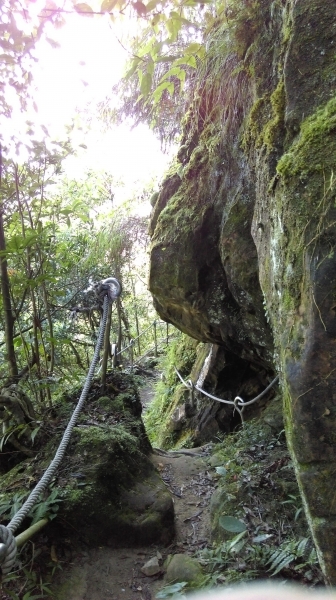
(102, 573)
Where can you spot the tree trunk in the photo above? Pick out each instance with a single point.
(8, 313)
(135, 312)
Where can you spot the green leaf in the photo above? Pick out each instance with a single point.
(155, 51)
(18, 342)
(166, 85)
(175, 15)
(152, 4)
(168, 58)
(221, 470)
(236, 540)
(173, 27)
(34, 432)
(278, 556)
(84, 9)
(131, 71)
(146, 84)
(150, 68)
(195, 49)
(187, 60)
(232, 524)
(108, 5)
(302, 546)
(152, 43)
(173, 72)
(182, 75)
(156, 19)
(170, 590)
(284, 563)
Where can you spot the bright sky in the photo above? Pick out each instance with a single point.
(85, 67)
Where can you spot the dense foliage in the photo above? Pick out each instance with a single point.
(54, 246)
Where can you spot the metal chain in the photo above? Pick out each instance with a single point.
(6, 532)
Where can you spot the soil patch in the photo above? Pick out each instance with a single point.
(104, 572)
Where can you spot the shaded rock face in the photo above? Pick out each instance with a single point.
(245, 223)
(204, 270)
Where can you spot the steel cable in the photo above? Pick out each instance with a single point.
(238, 403)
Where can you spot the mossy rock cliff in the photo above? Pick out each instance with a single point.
(244, 227)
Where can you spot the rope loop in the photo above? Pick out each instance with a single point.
(7, 554)
(236, 404)
(109, 287)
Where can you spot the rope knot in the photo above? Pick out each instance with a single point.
(109, 287)
(7, 549)
(238, 401)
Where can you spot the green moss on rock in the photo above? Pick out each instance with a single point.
(307, 155)
(272, 133)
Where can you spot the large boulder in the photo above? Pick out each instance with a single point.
(243, 229)
(107, 488)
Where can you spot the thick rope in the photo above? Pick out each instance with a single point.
(7, 538)
(238, 403)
